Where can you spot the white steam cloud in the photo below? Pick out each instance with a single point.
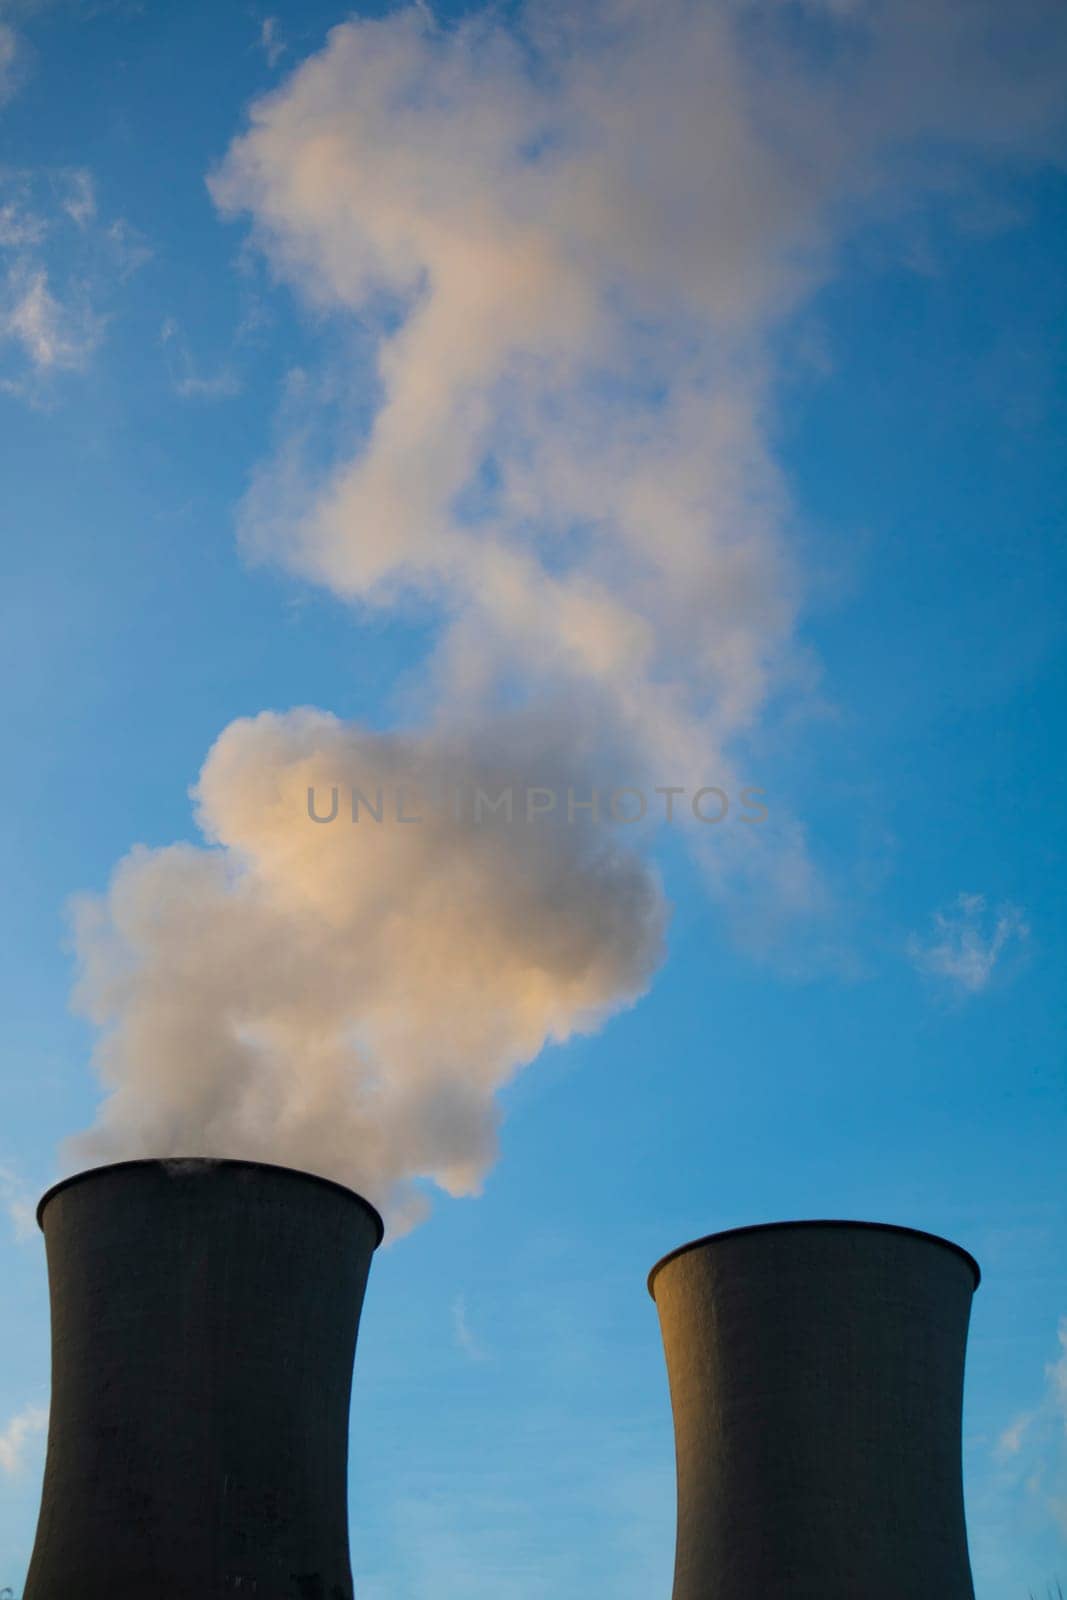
(572, 238)
(348, 997)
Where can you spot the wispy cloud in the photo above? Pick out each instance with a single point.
(203, 386)
(271, 42)
(16, 1200)
(1057, 1377)
(9, 61)
(79, 196)
(968, 941)
(53, 336)
(19, 227)
(465, 1338)
(1011, 1440)
(1033, 1447)
(129, 247)
(186, 379)
(59, 262)
(18, 1435)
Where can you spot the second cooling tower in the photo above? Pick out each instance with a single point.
(816, 1377)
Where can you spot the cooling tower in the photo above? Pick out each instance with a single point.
(816, 1378)
(204, 1319)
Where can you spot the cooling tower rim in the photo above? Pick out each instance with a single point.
(207, 1161)
(814, 1222)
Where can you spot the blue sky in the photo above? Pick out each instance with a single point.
(885, 1042)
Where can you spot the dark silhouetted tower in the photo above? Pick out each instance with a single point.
(816, 1377)
(204, 1320)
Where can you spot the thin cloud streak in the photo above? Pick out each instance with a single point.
(1033, 1447)
(271, 42)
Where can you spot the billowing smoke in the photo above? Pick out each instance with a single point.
(572, 239)
(346, 995)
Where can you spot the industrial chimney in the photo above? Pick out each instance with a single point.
(204, 1319)
(816, 1377)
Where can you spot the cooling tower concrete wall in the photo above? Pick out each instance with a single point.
(816, 1378)
(204, 1320)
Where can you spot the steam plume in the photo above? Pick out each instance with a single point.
(573, 240)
